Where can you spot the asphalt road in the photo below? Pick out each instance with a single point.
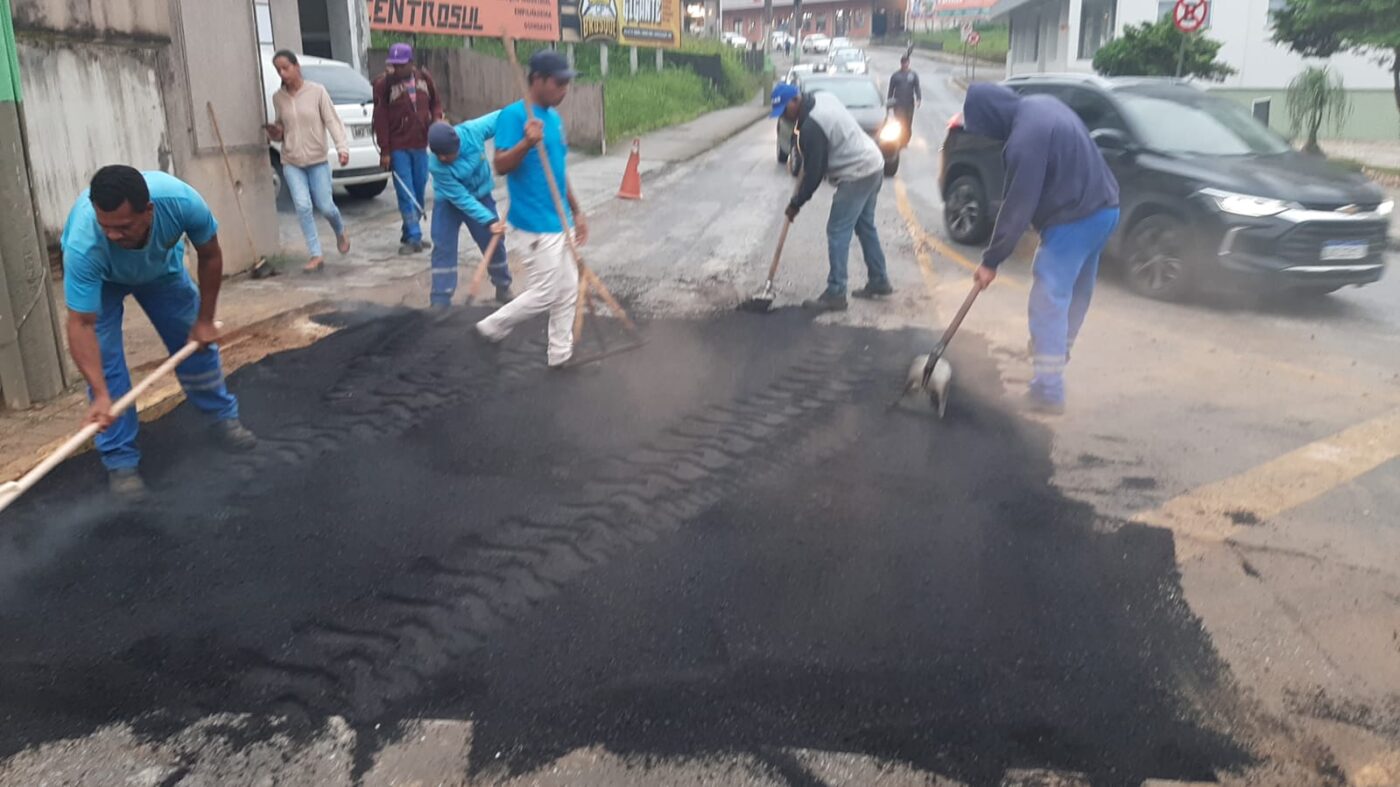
(722, 558)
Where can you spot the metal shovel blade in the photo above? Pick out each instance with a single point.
(927, 393)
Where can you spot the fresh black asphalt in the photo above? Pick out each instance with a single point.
(723, 542)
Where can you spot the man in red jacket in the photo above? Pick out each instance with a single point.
(405, 106)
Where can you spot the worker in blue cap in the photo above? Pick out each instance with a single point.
(834, 147)
(462, 184)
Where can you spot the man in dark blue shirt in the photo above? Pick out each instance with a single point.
(1057, 181)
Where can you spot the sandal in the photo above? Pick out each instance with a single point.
(342, 243)
(316, 265)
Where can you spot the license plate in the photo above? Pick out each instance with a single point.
(1345, 250)
(362, 132)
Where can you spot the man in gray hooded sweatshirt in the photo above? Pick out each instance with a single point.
(1057, 181)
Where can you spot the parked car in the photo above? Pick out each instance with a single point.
(848, 61)
(1210, 197)
(354, 102)
(816, 43)
(735, 40)
(795, 74)
(779, 39)
(862, 97)
(841, 43)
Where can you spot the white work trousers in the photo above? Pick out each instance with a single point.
(552, 285)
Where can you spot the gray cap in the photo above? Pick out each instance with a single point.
(443, 139)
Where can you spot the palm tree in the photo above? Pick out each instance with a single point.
(1314, 96)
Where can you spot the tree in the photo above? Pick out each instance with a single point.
(1153, 50)
(1315, 95)
(1322, 28)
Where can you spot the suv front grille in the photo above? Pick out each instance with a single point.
(1303, 244)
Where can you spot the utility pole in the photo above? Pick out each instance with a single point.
(31, 363)
(767, 41)
(798, 26)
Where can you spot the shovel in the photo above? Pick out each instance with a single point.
(930, 375)
(764, 300)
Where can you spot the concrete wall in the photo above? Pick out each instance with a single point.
(125, 63)
(123, 117)
(473, 84)
(95, 18)
(1373, 113)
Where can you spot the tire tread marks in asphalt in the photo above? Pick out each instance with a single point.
(450, 603)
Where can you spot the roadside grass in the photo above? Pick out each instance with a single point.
(650, 100)
(995, 43)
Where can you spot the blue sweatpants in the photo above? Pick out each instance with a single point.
(411, 166)
(171, 304)
(1066, 266)
(447, 226)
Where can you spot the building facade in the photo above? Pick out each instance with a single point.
(857, 19)
(1063, 35)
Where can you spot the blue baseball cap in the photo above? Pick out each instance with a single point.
(782, 94)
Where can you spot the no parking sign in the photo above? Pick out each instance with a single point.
(1190, 16)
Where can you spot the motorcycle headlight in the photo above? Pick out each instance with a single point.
(1246, 204)
(891, 131)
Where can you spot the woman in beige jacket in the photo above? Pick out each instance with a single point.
(305, 115)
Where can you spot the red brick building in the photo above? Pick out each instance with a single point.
(859, 19)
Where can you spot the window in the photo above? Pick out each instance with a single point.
(263, 15)
(1096, 18)
(1025, 39)
(821, 23)
(344, 84)
(1191, 124)
(1093, 109)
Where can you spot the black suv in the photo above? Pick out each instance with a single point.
(1210, 196)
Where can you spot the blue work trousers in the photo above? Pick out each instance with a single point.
(447, 227)
(310, 187)
(411, 169)
(1066, 266)
(171, 304)
(853, 211)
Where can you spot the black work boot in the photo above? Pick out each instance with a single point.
(826, 302)
(875, 289)
(234, 435)
(503, 295)
(126, 485)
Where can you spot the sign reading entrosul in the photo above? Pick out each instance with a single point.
(535, 20)
(1190, 16)
(654, 23)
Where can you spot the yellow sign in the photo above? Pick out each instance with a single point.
(655, 23)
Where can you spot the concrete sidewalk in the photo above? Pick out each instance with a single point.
(275, 314)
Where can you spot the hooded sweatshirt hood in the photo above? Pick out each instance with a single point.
(990, 110)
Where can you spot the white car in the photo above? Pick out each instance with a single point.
(735, 40)
(841, 42)
(779, 39)
(816, 43)
(353, 97)
(848, 61)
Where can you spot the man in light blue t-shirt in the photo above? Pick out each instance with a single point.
(125, 236)
(552, 275)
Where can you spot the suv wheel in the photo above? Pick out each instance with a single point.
(892, 165)
(965, 210)
(1156, 260)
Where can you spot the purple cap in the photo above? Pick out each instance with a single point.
(399, 54)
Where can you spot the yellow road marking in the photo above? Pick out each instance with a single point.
(924, 240)
(1208, 513)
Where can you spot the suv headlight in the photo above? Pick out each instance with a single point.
(1246, 204)
(1385, 208)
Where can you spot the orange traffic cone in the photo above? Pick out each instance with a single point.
(632, 178)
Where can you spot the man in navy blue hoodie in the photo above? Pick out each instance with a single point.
(1057, 181)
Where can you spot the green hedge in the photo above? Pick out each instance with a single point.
(996, 41)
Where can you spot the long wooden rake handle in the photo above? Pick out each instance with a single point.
(480, 272)
(10, 491)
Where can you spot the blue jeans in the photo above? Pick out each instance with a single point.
(853, 210)
(171, 304)
(312, 186)
(411, 167)
(447, 226)
(1066, 266)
